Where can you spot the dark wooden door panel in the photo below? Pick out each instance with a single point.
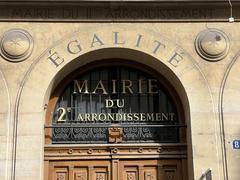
(153, 169)
(79, 170)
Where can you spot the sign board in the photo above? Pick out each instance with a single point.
(115, 104)
(236, 144)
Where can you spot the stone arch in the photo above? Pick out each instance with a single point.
(158, 53)
(5, 127)
(228, 95)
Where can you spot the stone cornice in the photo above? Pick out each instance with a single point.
(131, 10)
(137, 1)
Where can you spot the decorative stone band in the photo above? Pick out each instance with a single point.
(212, 44)
(16, 45)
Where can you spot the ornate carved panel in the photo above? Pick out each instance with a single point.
(127, 169)
(60, 173)
(81, 174)
(131, 173)
(61, 176)
(115, 135)
(150, 173)
(100, 173)
(101, 176)
(170, 174)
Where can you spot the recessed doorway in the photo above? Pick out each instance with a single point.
(115, 121)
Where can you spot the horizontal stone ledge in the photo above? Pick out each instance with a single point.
(121, 1)
(122, 12)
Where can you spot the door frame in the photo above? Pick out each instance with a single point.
(161, 151)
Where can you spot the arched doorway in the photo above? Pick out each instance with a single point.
(115, 121)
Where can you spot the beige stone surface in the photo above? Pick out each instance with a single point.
(5, 128)
(198, 82)
(231, 109)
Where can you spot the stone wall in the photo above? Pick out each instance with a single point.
(200, 59)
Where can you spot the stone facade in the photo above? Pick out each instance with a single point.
(197, 53)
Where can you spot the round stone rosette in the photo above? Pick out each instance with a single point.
(212, 44)
(16, 45)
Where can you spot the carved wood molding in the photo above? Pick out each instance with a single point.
(53, 152)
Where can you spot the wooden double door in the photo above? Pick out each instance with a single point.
(117, 169)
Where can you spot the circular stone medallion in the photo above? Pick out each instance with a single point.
(16, 45)
(212, 44)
